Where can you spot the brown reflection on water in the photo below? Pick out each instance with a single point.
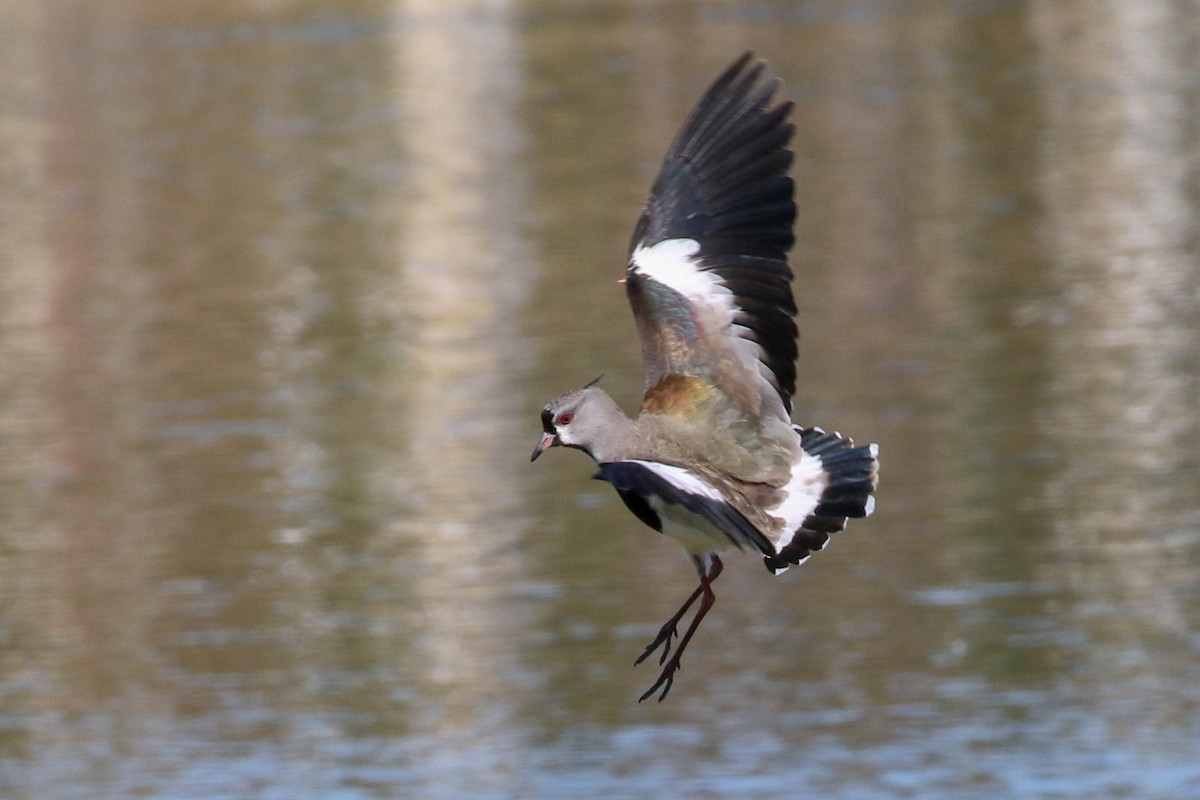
(1118, 175)
(463, 274)
(164, 380)
(154, 588)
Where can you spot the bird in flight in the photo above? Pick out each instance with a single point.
(712, 458)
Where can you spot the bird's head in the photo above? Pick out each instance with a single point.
(576, 419)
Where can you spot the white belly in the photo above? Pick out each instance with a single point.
(697, 535)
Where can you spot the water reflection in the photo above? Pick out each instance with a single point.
(1122, 397)
(283, 288)
(464, 275)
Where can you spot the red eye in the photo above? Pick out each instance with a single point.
(564, 419)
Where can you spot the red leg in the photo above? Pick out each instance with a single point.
(669, 630)
(667, 677)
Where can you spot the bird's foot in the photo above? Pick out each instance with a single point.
(666, 633)
(665, 679)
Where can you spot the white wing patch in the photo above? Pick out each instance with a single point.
(801, 496)
(681, 479)
(670, 263)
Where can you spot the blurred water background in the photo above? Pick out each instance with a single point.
(284, 286)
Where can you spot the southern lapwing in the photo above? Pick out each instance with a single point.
(712, 458)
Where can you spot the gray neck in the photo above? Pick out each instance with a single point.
(611, 435)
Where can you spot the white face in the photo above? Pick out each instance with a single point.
(562, 425)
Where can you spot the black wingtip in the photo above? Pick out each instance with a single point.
(719, 183)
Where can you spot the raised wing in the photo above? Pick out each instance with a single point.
(708, 277)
